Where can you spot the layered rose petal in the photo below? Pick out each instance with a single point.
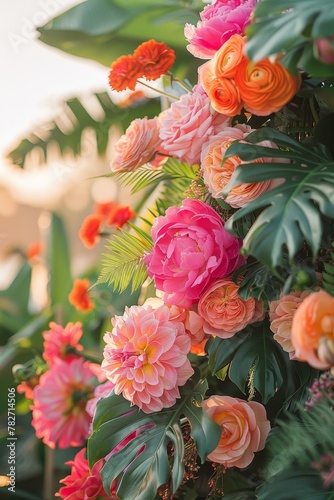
(146, 357)
(245, 428)
(191, 249)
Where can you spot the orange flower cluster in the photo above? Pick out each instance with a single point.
(151, 60)
(233, 82)
(110, 212)
(79, 296)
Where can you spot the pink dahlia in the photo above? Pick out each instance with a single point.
(59, 342)
(218, 23)
(187, 124)
(83, 484)
(191, 249)
(146, 357)
(59, 409)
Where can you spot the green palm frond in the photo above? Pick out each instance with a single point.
(123, 264)
(66, 130)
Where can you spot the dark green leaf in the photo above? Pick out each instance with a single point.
(221, 351)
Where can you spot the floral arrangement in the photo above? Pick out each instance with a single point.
(218, 381)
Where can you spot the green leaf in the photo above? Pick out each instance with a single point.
(292, 212)
(221, 351)
(144, 463)
(257, 363)
(123, 264)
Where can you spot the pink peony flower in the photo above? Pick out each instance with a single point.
(218, 23)
(83, 484)
(59, 341)
(137, 146)
(281, 313)
(225, 312)
(146, 357)
(245, 428)
(187, 124)
(191, 249)
(59, 415)
(216, 176)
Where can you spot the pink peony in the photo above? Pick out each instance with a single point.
(191, 249)
(59, 415)
(216, 175)
(83, 484)
(225, 312)
(59, 341)
(245, 428)
(218, 23)
(146, 357)
(281, 313)
(187, 124)
(137, 146)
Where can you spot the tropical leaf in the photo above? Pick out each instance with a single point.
(256, 280)
(291, 28)
(123, 264)
(66, 131)
(221, 351)
(144, 463)
(103, 30)
(292, 212)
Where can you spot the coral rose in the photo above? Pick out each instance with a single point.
(218, 23)
(217, 174)
(281, 314)
(137, 146)
(146, 357)
(155, 58)
(191, 249)
(245, 428)
(186, 125)
(265, 86)
(312, 331)
(224, 311)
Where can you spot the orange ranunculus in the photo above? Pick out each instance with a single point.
(225, 96)
(229, 56)
(312, 328)
(89, 231)
(124, 73)
(265, 86)
(155, 58)
(79, 297)
(120, 215)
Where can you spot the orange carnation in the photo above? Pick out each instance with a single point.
(155, 58)
(89, 231)
(124, 73)
(79, 297)
(120, 215)
(312, 332)
(265, 86)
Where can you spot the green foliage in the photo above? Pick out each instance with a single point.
(104, 30)
(69, 137)
(291, 27)
(328, 275)
(144, 463)
(123, 264)
(292, 212)
(256, 280)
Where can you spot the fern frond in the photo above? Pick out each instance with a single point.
(123, 264)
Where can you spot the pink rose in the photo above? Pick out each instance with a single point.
(187, 124)
(218, 23)
(245, 428)
(225, 312)
(216, 175)
(137, 146)
(191, 249)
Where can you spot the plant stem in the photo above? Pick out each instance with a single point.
(161, 92)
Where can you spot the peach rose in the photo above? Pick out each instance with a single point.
(216, 175)
(265, 86)
(281, 313)
(224, 311)
(312, 332)
(245, 428)
(137, 146)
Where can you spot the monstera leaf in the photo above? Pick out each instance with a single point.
(144, 463)
(292, 212)
(291, 27)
